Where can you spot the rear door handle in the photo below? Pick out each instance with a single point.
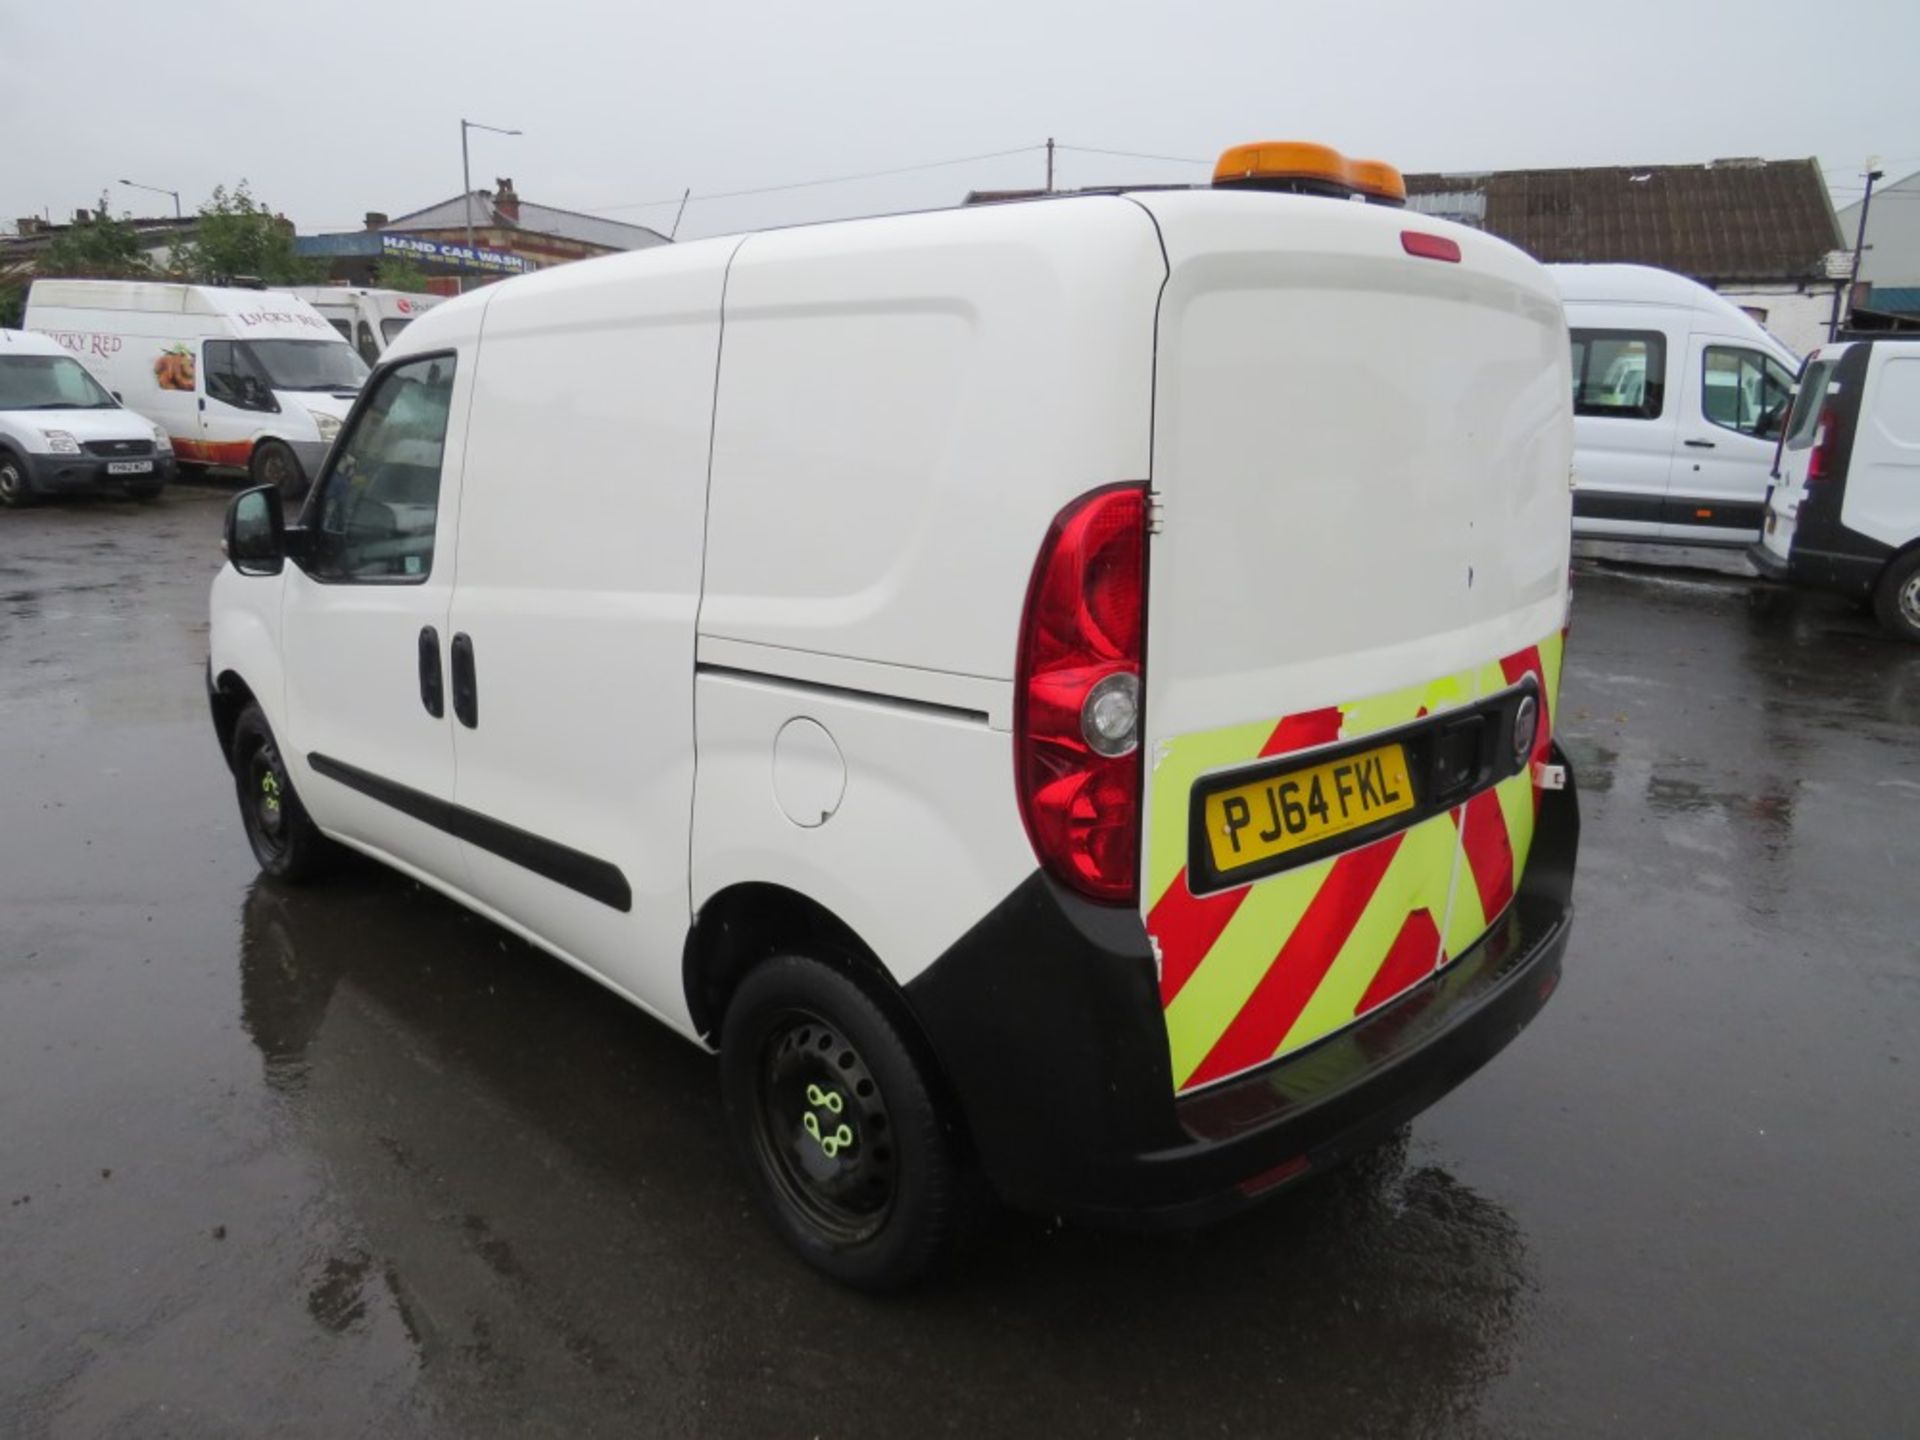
(1701, 444)
(433, 692)
(466, 698)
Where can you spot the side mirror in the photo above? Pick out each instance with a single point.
(256, 540)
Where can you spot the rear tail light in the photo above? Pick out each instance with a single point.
(1821, 460)
(1078, 700)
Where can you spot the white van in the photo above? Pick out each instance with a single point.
(369, 320)
(1844, 513)
(1678, 397)
(61, 433)
(1055, 692)
(251, 379)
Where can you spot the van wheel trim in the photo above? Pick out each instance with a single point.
(274, 464)
(13, 482)
(839, 1171)
(264, 788)
(1909, 600)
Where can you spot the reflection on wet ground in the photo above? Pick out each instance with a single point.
(348, 1160)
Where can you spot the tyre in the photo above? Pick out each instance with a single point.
(1896, 598)
(286, 842)
(15, 488)
(275, 464)
(846, 1151)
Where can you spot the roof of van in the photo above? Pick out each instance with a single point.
(28, 342)
(160, 297)
(1647, 285)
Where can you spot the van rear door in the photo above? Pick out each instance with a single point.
(1361, 460)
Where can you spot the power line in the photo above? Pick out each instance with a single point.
(809, 184)
(1135, 155)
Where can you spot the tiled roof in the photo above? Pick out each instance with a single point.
(1730, 220)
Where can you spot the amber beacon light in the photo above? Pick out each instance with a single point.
(1378, 181)
(1299, 166)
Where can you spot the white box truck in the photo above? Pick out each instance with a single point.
(368, 319)
(249, 379)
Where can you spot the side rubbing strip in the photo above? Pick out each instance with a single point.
(596, 879)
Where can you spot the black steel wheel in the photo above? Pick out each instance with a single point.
(284, 839)
(820, 1129)
(846, 1148)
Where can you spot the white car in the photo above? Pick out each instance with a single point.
(61, 433)
(1844, 512)
(1678, 397)
(1064, 687)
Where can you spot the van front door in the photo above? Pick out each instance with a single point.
(1623, 429)
(1734, 400)
(364, 623)
(235, 397)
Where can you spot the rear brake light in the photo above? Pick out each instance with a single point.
(1077, 695)
(1821, 460)
(1430, 247)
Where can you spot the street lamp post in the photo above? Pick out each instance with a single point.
(466, 175)
(158, 190)
(1859, 246)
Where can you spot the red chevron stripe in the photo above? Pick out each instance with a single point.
(1489, 851)
(1186, 925)
(1303, 962)
(1413, 957)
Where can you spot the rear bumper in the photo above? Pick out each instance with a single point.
(1820, 569)
(87, 474)
(1046, 1022)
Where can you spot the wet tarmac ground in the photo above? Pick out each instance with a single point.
(348, 1161)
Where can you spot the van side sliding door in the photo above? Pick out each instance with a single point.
(580, 555)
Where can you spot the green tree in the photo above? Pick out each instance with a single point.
(397, 272)
(13, 305)
(237, 236)
(102, 249)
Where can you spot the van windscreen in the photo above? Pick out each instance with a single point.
(49, 382)
(308, 364)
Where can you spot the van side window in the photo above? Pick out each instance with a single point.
(368, 347)
(1744, 390)
(235, 378)
(1619, 374)
(373, 517)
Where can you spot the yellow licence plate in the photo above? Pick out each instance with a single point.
(1264, 818)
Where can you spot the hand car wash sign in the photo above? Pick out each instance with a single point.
(465, 257)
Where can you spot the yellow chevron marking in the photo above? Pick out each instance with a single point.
(1416, 880)
(1240, 958)
(1188, 758)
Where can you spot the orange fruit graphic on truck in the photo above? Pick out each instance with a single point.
(174, 368)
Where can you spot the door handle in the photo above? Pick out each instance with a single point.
(466, 699)
(1701, 444)
(433, 692)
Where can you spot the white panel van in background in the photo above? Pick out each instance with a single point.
(368, 319)
(1678, 398)
(1844, 512)
(808, 705)
(246, 379)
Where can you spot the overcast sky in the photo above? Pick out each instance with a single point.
(333, 109)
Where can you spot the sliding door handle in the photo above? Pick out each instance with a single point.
(1700, 444)
(466, 697)
(433, 693)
